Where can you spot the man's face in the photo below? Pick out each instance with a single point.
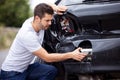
(45, 22)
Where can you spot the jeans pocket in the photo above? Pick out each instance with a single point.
(8, 74)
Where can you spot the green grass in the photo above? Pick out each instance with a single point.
(7, 36)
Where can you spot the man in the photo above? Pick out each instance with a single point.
(28, 44)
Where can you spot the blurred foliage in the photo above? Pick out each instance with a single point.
(13, 12)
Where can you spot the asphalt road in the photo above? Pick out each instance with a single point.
(3, 54)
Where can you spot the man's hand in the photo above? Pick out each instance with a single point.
(77, 55)
(60, 9)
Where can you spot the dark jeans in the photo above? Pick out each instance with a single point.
(35, 71)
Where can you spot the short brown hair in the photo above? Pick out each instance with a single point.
(43, 8)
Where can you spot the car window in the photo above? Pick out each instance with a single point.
(69, 2)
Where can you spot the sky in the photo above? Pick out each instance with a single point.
(33, 3)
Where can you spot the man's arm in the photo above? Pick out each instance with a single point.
(55, 57)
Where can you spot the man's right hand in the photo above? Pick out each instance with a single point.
(77, 55)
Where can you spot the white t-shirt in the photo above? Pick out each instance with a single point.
(20, 54)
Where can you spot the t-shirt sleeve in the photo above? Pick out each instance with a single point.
(31, 42)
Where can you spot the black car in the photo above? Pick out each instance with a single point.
(93, 25)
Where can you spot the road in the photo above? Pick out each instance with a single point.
(3, 54)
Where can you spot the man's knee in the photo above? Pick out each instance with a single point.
(53, 70)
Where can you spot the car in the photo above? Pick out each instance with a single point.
(93, 25)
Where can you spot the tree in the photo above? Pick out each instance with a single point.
(14, 12)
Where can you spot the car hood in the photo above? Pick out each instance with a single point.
(91, 9)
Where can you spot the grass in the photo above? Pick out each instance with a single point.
(7, 36)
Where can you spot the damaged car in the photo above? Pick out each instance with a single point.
(93, 25)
